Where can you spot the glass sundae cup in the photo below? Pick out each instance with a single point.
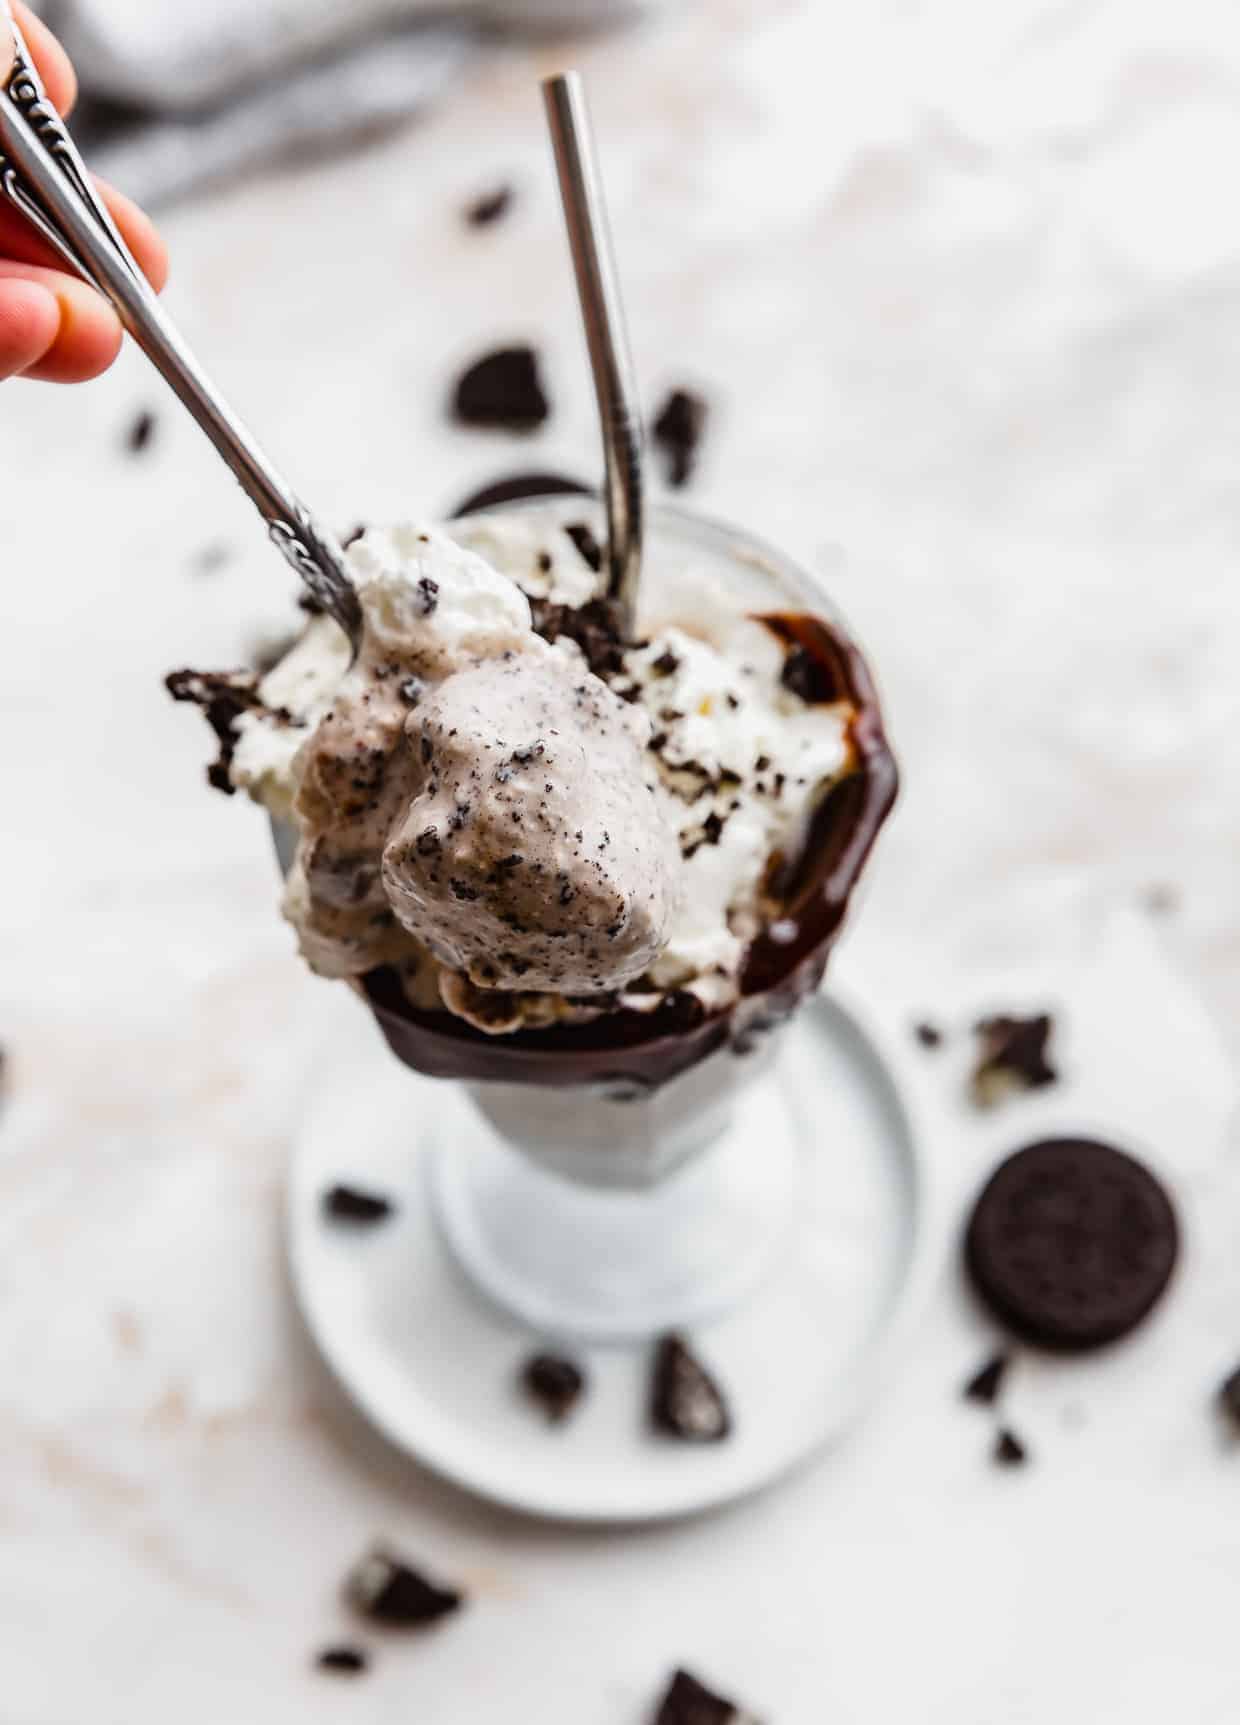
(637, 1173)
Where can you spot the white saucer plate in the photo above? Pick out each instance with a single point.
(434, 1366)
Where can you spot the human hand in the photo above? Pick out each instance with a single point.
(52, 326)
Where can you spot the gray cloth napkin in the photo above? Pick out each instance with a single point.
(179, 93)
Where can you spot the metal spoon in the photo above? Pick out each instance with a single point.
(43, 176)
(615, 384)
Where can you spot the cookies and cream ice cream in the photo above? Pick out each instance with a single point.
(469, 787)
(529, 821)
(533, 855)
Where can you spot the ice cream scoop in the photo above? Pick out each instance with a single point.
(474, 794)
(534, 855)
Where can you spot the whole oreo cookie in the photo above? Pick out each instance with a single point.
(1071, 1243)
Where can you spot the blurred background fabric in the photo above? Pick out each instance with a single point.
(181, 93)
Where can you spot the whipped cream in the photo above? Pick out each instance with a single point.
(544, 564)
(742, 761)
(689, 752)
(301, 685)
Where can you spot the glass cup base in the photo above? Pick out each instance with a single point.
(597, 1263)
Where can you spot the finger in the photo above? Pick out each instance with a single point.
(18, 240)
(88, 334)
(29, 324)
(53, 64)
(140, 233)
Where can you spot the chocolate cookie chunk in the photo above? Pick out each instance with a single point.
(223, 696)
(1011, 1057)
(595, 627)
(385, 1589)
(688, 1702)
(677, 431)
(555, 1383)
(685, 1401)
(502, 390)
(1071, 1243)
(583, 538)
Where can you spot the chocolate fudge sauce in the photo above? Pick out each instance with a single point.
(809, 893)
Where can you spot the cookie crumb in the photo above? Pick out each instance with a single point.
(1228, 1395)
(595, 627)
(984, 1385)
(1009, 1451)
(677, 430)
(491, 207)
(555, 1383)
(140, 433)
(350, 1204)
(348, 1661)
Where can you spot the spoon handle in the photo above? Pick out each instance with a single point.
(44, 178)
(598, 290)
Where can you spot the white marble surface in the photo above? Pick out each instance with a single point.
(963, 281)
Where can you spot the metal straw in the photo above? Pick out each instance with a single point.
(589, 240)
(43, 176)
